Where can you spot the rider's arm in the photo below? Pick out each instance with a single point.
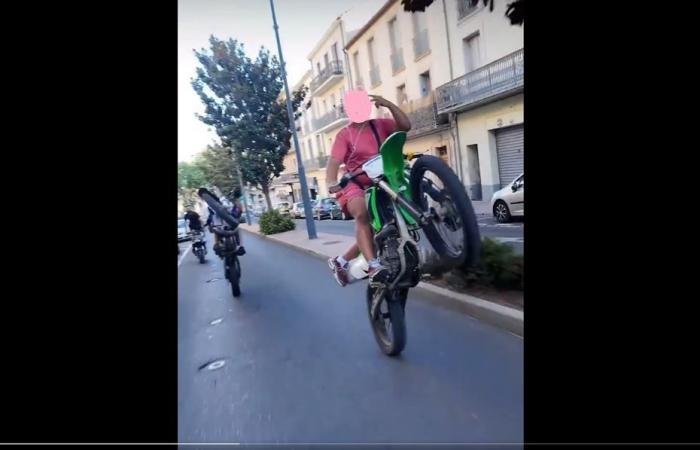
(338, 153)
(403, 123)
(332, 172)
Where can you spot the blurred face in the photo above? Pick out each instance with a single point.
(357, 106)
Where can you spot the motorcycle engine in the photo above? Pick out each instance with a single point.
(390, 258)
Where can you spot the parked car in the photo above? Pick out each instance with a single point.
(509, 201)
(182, 231)
(284, 208)
(327, 207)
(298, 210)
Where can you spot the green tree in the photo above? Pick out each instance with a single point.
(219, 168)
(241, 99)
(190, 177)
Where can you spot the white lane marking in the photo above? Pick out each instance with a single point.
(509, 239)
(187, 250)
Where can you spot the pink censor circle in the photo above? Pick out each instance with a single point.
(357, 105)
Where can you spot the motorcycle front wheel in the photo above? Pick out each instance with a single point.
(389, 325)
(453, 231)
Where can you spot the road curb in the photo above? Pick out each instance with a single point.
(509, 319)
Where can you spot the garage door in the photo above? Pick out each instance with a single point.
(511, 153)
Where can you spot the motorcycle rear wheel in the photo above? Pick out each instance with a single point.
(235, 277)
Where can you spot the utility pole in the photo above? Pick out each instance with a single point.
(310, 224)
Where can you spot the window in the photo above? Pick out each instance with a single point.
(370, 50)
(334, 51)
(319, 144)
(470, 46)
(318, 66)
(325, 58)
(394, 37)
(356, 62)
(401, 95)
(424, 81)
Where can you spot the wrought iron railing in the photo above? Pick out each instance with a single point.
(336, 114)
(499, 78)
(333, 68)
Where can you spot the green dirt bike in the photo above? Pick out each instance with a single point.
(405, 202)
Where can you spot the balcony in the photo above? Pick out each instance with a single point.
(397, 63)
(316, 163)
(424, 117)
(374, 78)
(465, 7)
(332, 119)
(329, 75)
(286, 179)
(421, 45)
(501, 78)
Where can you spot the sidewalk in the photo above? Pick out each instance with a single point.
(328, 245)
(482, 208)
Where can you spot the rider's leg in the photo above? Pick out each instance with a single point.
(352, 253)
(365, 242)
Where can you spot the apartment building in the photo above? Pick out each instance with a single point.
(287, 187)
(402, 56)
(485, 95)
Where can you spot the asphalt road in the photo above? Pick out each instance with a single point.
(295, 361)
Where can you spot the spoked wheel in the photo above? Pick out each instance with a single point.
(235, 277)
(453, 230)
(389, 323)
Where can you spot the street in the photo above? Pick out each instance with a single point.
(510, 233)
(294, 360)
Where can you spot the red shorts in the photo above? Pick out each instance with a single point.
(352, 190)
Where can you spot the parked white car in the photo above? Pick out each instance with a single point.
(509, 201)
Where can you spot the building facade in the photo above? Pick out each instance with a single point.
(485, 95)
(402, 56)
(456, 70)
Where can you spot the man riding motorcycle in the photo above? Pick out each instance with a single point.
(354, 145)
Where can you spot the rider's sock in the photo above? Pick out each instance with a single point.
(373, 263)
(342, 261)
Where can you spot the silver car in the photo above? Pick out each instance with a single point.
(509, 201)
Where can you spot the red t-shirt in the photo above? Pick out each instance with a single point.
(365, 145)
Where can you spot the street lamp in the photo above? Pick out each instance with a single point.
(310, 224)
(243, 193)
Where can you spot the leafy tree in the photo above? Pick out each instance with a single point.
(219, 168)
(190, 177)
(242, 104)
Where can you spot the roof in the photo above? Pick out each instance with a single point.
(371, 22)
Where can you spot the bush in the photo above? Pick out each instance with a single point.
(499, 266)
(272, 222)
